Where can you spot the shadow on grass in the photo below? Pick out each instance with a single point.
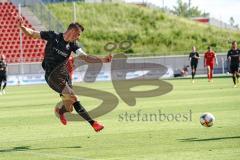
(207, 139)
(28, 148)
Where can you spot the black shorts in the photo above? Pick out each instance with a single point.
(194, 65)
(3, 76)
(234, 67)
(58, 78)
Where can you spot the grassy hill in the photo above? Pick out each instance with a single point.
(152, 32)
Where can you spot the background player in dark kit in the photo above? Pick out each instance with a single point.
(193, 57)
(3, 74)
(233, 57)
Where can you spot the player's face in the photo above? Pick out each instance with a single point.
(193, 49)
(234, 45)
(75, 34)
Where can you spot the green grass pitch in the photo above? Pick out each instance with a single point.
(29, 129)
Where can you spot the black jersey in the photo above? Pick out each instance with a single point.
(3, 66)
(193, 58)
(57, 50)
(234, 54)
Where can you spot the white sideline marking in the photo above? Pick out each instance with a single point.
(54, 156)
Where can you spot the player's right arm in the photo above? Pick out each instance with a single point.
(27, 31)
(228, 56)
(189, 57)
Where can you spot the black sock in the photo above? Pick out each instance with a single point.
(62, 110)
(4, 86)
(192, 75)
(82, 112)
(0, 85)
(234, 80)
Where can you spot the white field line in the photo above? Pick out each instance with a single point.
(54, 156)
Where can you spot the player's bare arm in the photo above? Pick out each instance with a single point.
(27, 31)
(93, 59)
(229, 59)
(197, 57)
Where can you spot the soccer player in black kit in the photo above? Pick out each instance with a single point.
(3, 74)
(58, 49)
(193, 57)
(233, 57)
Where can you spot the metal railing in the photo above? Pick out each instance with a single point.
(57, 1)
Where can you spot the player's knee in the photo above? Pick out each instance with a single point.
(66, 97)
(74, 98)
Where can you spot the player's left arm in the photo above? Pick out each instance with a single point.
(92, 59)
(189, 57)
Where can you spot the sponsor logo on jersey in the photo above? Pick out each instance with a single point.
(60, 52)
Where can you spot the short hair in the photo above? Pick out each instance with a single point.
(75, 25)
(234, 42)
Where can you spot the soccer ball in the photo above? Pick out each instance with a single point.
(207, 119)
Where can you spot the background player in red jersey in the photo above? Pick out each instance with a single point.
(209, 60)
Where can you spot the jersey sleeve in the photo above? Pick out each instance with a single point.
(80, 52)
(77, 50)
(47, 35)
(74, 47)
(228, 54)
(197, 54)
